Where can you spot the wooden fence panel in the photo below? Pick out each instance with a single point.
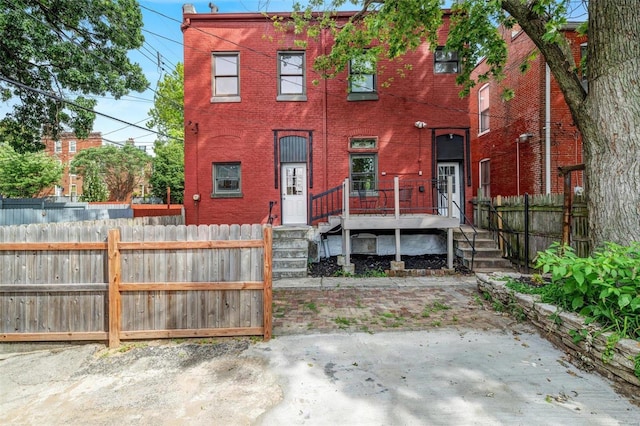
(56, 289)
(545, 222)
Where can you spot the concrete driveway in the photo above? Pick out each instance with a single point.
(447, 375)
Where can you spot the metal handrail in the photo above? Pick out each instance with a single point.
(325, 204)
(464, 234)
(500, 234)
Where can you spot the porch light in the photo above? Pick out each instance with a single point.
(420, 124)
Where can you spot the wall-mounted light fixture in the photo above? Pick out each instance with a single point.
(524, 137)
(420, 124)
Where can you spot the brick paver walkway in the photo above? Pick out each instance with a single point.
(356, 305)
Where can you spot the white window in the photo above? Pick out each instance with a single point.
(363, 164)
(445, 62)
(291, 76)
(226, 77)
(485, 178)
(227, 180)
(483, 109)
(72, 146)
(362, 78)
(57, 147)
(583, 66)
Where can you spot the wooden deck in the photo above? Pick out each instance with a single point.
(403, 221)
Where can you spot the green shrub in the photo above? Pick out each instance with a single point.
(604, 288)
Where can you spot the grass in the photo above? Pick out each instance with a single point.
(433, 308)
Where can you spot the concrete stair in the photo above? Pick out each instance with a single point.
(290, 251)
(488, 257)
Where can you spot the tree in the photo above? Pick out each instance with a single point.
(608, 115)
(168, 115)
(25, 175)
(93, 187)
(52, 49)
(121, 168)
(168, 171)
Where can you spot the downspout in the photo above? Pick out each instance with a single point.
(547, 130)
(325, 136)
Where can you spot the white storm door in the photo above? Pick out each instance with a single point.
(294, 193)
(445, 170)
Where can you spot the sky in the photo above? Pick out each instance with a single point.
(163, 39)
(161, 51)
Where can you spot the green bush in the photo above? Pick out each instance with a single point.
(604, 288)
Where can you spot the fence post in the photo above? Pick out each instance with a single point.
(115, 304)
(267, 291)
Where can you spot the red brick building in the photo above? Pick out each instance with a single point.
(64, 148)
(262, 127)
(517, 145)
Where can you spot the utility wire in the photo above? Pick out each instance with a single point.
(75, 105)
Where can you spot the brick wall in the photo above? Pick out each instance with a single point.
(524, 114)
(243, 131)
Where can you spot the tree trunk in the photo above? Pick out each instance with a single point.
(611, 134)
(608, 116)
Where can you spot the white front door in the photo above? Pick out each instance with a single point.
(445, 170)
(294, 193)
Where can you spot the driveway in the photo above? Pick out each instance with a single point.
(480, 368)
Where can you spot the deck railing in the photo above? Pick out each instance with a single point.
(415, 196)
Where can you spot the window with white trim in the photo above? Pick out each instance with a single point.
(485, 178)
(363, 164)
(362, 78)
(583, 66)
(57, 147)
(226, 77)
(483, 109)
(72, 146)
(227, 180)
(291, 76)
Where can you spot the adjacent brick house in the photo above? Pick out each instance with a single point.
(261, 127)
(517, 145)
(64, 148)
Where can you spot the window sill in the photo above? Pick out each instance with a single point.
(373, 96)
(291, 98)
(484, 132)
(224, 99)
(236, 195)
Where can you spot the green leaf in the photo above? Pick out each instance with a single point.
(577, 302)
(579, 276)
(624, 300)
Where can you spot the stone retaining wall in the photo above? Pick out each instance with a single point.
(557, 326)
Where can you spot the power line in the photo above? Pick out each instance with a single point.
(75, 105)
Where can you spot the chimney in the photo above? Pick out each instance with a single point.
(213, 7)
(188, 8)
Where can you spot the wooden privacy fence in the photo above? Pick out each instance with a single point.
(539, 222)
(63, 283)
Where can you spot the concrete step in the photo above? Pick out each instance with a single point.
(289, 264)
(484, 252)
(290, 244)
(284, 232)
(289, 273)
(488, 264)
(484, 243)
(288, 253)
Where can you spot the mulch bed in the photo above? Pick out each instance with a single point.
(370, 265)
